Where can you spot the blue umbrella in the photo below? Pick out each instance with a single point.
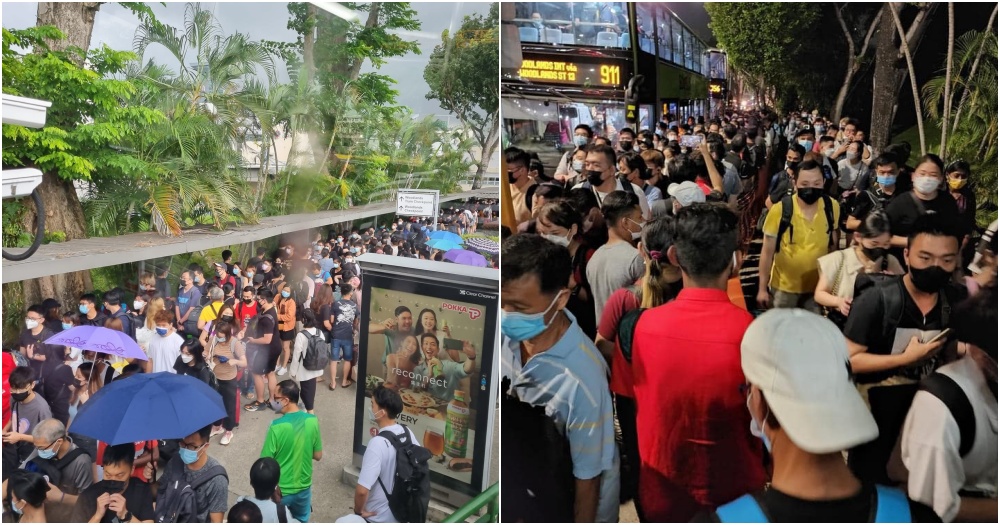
(444, 245)
(444, 235)
(99, 339)
(149, 406)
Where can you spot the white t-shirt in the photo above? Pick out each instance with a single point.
(164, 352)
(930, 441)
(643, 202)
(380, 462)
(269, 510)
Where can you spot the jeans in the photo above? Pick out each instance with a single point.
(299, 504)
(342, 348)
(227, 389)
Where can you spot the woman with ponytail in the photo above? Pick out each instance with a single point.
(660, 284)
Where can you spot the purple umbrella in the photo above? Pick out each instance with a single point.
(466, 257)
(101, 340)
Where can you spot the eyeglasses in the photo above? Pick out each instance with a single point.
(29, 318)
(192, 447)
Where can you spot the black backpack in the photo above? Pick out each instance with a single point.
(891, 289)
(958, 404)
(178, 503)
(300, 293)
(786, 220)
(412, 486)
(317, 354)
(53, 467)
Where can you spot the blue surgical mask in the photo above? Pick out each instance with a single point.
(18, 511)
(757, 430)
(522, 327)
(83, 309)
(579, 141)
(188, 456)
(807, 144)
(236, 271)
(162, 332)
(354, 250)
(67, 326)
(47, 453)
(887, 180)
(286, 295)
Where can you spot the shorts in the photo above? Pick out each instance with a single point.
(286, 335)
(343, 347)
(804, 301)
(264, 360)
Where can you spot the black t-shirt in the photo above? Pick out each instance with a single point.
(55, 390)
(268, 323)
(904, 211)
(52, 353)
(782, 508)
(324, 315)
(867, 318)
(865, 202)
(138, 501)
(98, 320)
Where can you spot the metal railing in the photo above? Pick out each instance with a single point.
(490, 499)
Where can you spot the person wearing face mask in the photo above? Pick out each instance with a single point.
(223, 275)
(67, 466)
(886, 172)
(294, 441)
(803, 406)
(626, 141)
(207, 477)
(31, 341)
(798, 230)
(88, 308)
(957, 177)
(633, 169)
(839, 270)
(522, 186)
(546, 193)
(926, 197)
(211, 311)
(949, 438)
(28, 410)
(601, 169)
(560, 223)
(121, 497)
(191, 362)
(188, 297)
(544, 351)
(783, 183)
(891, 333)
(694, 448)
(198, 277)
(25, 494)
(164, 348)
(617, 263)
(572, 171)
(853, 176)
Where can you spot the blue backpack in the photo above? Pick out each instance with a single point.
(891, 507)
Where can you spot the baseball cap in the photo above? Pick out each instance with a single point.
(799, 361)
(49, 304)
(686, 193)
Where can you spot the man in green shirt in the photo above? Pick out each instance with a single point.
(293, 441)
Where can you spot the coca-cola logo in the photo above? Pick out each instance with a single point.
(474, 313)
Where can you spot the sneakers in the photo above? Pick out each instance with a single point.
(226, 438)
(255, 406)
(216, 431)
(281, 371)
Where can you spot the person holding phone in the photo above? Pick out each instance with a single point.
(224, 354)
(441, 378)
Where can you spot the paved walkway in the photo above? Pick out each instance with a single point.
(335, 410)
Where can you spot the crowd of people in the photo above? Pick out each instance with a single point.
(237, 326)
(857, 381)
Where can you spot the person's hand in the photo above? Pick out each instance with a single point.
(13, 437)
(764, 299)
(241, 334)
(447, 331)
(917, 351)
(845, 306)
(703, 148)
(147, 471)
(469, 349)
(366, 514)
(54, 494)
(102, 505)
(117, 505)
(390, 323)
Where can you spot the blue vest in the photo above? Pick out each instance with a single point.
(891, 506)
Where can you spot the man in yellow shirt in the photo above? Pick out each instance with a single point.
(521, 184)
(788, 275)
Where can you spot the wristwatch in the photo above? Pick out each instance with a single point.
(128, 517)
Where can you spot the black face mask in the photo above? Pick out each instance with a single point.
(626, 145)
(930, 279)
(113, 487)
(873, 253)
(19, 396)
(792, 164)
(510, 177)
(810, 195)
(248, 301)
(226, 318)
(594, 178)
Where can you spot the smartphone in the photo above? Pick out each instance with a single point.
(223, 359)
(453, 344)
(690, 141)
(941, 335)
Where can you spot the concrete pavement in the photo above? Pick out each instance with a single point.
(331, 498)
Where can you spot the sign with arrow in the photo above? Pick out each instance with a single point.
(417, 203)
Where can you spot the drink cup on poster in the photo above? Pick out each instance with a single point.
(434, 436)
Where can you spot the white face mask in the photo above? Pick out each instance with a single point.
(138, 305)
(187, 358)
(556, 239)
(577, 166)
(829, 152)
(31, 324)
(926, 185)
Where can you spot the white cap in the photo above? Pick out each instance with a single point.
(686, 193)
(799, 361)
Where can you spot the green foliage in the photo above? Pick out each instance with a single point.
(14, 308)
(14, 234)
(54, 236)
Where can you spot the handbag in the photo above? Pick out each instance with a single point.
(833, 314)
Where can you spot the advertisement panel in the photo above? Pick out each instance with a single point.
(431, 337)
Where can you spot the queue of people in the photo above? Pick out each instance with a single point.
(860, 384)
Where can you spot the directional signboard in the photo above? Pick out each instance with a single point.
(417, 203)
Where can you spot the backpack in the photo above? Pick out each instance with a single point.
(317, 354)
(191, 325)
(412, 488)
(178, 503)
(958, 404)
(53, 467)
(891, 289)
(891, 506)
(300, 294)
(786, 220)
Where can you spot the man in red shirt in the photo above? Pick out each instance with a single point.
(695, 445)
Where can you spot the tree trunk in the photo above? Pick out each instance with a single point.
(972, 72)
(946, 112)
(853, 61)
(913, 80)
(308, 40)
(63, 211)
